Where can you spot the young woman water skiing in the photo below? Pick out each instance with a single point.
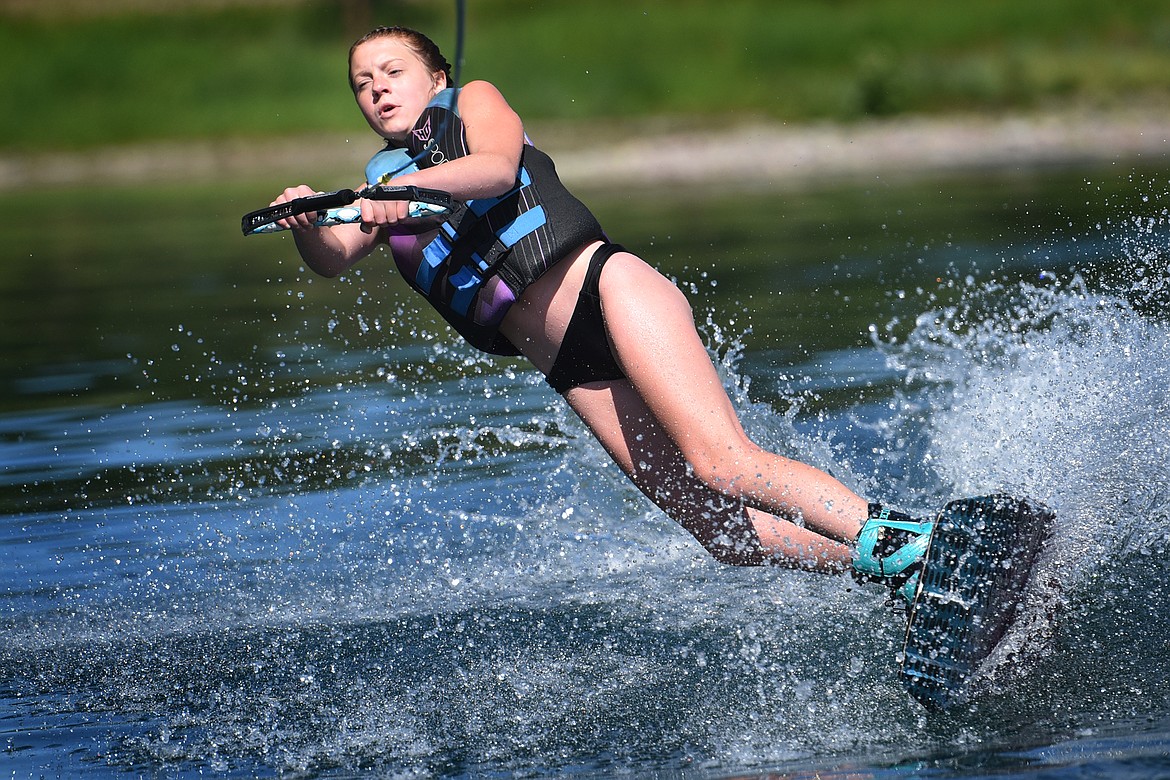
(525, 269)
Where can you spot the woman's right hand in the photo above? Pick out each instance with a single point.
(297, 221)
(328, 251)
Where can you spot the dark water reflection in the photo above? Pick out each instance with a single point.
(156, 292)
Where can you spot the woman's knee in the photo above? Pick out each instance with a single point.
(735, 544)
(724, 529)
(723, 465)
(730, 552)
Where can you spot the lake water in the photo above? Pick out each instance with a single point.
(255, 523)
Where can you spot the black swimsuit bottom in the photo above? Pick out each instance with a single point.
(585, 355)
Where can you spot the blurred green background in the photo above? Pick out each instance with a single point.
(75, 74)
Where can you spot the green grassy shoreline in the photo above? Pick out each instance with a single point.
(238, 72)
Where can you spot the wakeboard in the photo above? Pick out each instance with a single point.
(975, 574)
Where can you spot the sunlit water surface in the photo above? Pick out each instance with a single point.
(258, 524)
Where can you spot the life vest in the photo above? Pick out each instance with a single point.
(489, 250)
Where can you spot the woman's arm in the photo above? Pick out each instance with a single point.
(330, 250)
(495, 138)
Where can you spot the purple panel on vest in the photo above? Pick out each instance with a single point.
(495, 298)
(406, 255)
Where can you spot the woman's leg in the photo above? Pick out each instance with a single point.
(652, 331)
(732, 532)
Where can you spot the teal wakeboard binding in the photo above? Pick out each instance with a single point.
(890, 550)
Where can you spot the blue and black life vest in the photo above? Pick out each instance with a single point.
(488, 252)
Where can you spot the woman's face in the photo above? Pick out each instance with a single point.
(392, 85)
